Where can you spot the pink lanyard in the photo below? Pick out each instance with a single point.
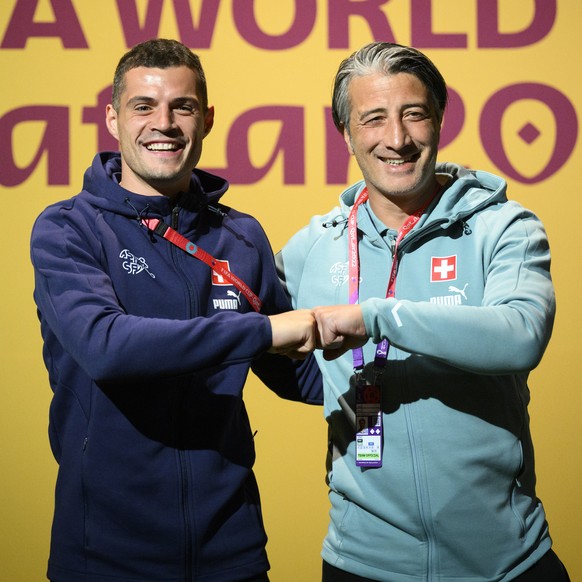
(354, 271)
(163, 230)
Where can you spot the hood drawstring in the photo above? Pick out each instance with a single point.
(335, 222)
(216, 210)
(140, 215)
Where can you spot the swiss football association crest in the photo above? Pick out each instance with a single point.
(443, 269)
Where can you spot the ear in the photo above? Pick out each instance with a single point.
(348, 140)
(440, 128)
(111, 121)
(208, 120)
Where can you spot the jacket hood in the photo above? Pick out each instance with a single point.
(466, 192)
(101, 188)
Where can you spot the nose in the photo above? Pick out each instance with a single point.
(396, 135)
(163, 120)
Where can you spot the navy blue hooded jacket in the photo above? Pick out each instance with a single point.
(147, 355)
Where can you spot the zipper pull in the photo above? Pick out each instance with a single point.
(175, 212)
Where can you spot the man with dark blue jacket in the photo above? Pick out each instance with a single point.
(155, 301)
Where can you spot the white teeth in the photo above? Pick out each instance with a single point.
(161, 147)
(395, 162)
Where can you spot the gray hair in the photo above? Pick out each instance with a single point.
(389, 59)
(159, 53)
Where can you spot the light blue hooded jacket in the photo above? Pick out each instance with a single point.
(455, 498)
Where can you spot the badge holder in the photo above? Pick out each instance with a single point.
(368, 423)
(369, 396)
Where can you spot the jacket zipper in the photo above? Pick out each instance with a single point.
(419, 477)
(183, 462)
(174, 253)
(423, 502)
(188, 553)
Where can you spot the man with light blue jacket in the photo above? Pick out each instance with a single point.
(435, 301)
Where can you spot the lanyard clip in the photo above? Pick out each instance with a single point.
(359, 376)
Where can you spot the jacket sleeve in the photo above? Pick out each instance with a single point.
(291, 379)
(507, 333)
(78, 305)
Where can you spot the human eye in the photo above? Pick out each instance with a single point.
(140, 106)
(416, 114)
(373, 120)
(186, 106)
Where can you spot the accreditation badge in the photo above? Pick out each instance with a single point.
(368, 424)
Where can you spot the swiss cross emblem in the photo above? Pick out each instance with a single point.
(217, 278)
(443, 269)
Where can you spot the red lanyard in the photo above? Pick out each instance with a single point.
(354, 270)
(163, 230)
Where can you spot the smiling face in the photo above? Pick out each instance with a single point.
(160, 126)
(394, 133)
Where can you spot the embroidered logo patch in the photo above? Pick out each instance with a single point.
(443, 269)
(339, 274)
(217, 278)
(232, 301)
(456, 299)
(134, 265)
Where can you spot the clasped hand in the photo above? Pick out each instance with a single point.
(334, 329)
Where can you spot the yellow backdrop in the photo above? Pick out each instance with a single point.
(513, 66)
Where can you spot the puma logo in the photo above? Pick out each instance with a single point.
(231, 293)
(454, 289)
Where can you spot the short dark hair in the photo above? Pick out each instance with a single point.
(389, 59)
(158, 53)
